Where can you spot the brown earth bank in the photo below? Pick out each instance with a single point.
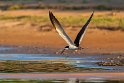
(93, 39)
(18, 33)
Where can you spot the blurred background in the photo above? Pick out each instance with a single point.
(109, 13)
(62, 4)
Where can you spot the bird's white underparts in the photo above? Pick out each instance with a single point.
(71, 45)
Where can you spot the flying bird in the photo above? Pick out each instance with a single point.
(71, 45)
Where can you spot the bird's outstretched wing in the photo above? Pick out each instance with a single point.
(59, 29)
(82, 31)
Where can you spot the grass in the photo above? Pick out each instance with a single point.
(101, 22)
(55, 81)
(28, 81)
(15, 7)
(38, 66)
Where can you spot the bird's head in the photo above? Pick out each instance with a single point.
(66, 48)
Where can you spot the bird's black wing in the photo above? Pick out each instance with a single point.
(82, 31)
(60, 29)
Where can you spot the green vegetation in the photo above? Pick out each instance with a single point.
(56, 6)
(15, 7)
(101, 22)
(62, 4)
(103, 7)
(85, 1)
(54, 81)
(28, 81)
(21, 0)
(38, 66)
(121, 24)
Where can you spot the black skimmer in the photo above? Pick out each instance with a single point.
(71, 45)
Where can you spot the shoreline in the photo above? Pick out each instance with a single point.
(93, 76)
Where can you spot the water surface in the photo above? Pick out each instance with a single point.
(77, 61)
(87, 61)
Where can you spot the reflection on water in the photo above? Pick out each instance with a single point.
(74, 80)
(100, 80)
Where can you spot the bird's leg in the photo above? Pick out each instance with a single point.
(62, 51)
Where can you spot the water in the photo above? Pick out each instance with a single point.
(27, 57)
(3, 48)
(77, 61)
(74, 80)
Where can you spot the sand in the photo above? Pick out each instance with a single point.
(94, 39)
(18, 33)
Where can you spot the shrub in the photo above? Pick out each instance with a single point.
(15, 7)
(103, 7)
(121, 24)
